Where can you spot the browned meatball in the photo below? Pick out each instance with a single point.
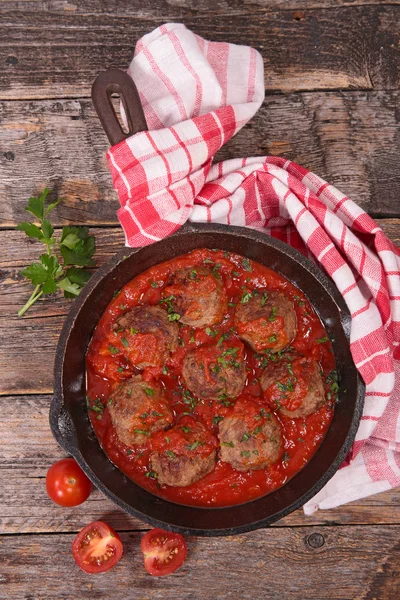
(183, 454)
(266, 320)
(147, 336)
(295, 388)
(211, 371)
(138, 409)
(250, 438)
(197, 296)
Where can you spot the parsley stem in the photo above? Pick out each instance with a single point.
(34, 296)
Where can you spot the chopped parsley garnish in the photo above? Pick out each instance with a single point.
(174, 316)
(129, 452)
(215, 271)
(285, 387)
(152, 474)
(246, 264)
(125, 342)
(168, 301)
(332, 382)
(167, 440)
(149, 391)
(226, 402)
(246, 436)
(193, 446)
(299, 301)
(246, 297)
(141, 431)
(290, 369)
(211, 332)
(257, 430)
(322, 340)
(273, 338)
(133, 331)
(235, 274)
(216, 419)
(245, 454)
(97, 407)
(113, 349)
(285, 457)
(189, 399)
(154, 284)
(156, 414)
(273, 314)
(264, 298)
(229, 444)
(186, 429)
(170, 454)
(221, 339)
(233, 304)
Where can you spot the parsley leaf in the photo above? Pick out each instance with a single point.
(76, 248)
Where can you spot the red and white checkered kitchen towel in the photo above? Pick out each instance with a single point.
(196, 95)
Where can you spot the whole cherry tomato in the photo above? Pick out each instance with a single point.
(67, 484)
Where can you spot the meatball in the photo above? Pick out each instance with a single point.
(197, 296)
(250, 437)
(147, 336)
(266, 320)
(295, 388)
(184, 454)
(138, 409)
(210, 371)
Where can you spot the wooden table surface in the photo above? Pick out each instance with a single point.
(332, 104)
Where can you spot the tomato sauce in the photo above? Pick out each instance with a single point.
(224, 486)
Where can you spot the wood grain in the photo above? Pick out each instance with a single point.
(162, 8)
(27, 354)
(351, 139)
(28, 449)
(337, 48)
(256, 565)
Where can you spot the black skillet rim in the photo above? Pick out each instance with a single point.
(63, 428)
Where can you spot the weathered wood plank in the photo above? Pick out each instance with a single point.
(161, 8)
(27, 345)
(350, 139)
(335, 48)
(335, 564)
(27, 450)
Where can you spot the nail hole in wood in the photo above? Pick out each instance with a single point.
(299, 15)
(315, 540)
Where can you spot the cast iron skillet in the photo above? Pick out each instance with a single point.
(68, 414)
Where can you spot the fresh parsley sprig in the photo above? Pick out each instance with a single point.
(61, 266)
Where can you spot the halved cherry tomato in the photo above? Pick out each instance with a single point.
(67, 484)
(163, 552)
(97, 548)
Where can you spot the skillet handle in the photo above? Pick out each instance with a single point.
(115, 81)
